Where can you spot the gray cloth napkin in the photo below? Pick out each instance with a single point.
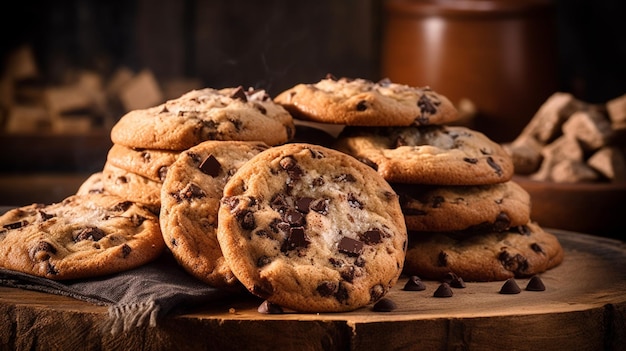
(136, 297)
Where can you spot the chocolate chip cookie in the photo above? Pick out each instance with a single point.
(361, 102)
(312, 229)
(148, 163)
(519, 252)
(190, 199)
(207, 114)
(494, 207)
(81, 237)
(442, 155)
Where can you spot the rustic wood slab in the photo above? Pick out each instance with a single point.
(582, 308)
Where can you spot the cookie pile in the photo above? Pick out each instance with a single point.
(464, 213)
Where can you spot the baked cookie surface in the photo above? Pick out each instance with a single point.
(494, 207)
(190, 199)
(442, 155)
(312, 229)
(148, 163)
(207, 114)
(92, 185)
(361, 102)
(131, 186)
(519, 252)
(81, 237)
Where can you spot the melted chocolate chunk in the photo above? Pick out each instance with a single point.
(327, 288)
(443, 290)
(42, 251)
(42, 216)
(369, 162)
(414, 284)
(536, 247)
(296, 239)
(294, 218)
(354, 202)
(350, 246)
(371, 237)
(384, 305)
(270, 308)
(426, 105)
(122, 206)
(126, 250)
(320, 206)
(361, 106)
(246, 219)
(342, 293)
(535, 284)
(496, 167)
(303, 203)
(279, 203)
(502, 222)
(264, 289)
(516, 263)
(15, 225)
(89, 233)
(239, 94)
(348, 273)
(510, 287)
(211, 166)
(191, 191)
(442, 259)
(470, 160)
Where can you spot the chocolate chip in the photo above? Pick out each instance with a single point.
(317, 182)
(294, 217)
(211, 166)
(516, 263)
(263, 289)
(263, 261)
(296, 239)
(342, 293)
(457, 283)
(535, 284)
(126, 250)
(442, 259)
(260, 108)
(361, 106)
(345, 177)
(437, 201)
(350, 246)
(510, 287)
(371, 237)
(246, 219)
(303, 203)
(522, 229)
(191, 191)
(354, 202)
(536, 247)
(426, 105)
(239, 94)
(122, 206)
(270, 308)
(369, 162)
(42, 216)
(327, 288)
(287, 163)
(348, 273)
(42, 251)
(491, 162)
(89, 233)
(320, 206)
(470, 160)
(414, 284)
(384, 305)
(443, 290)
(15, 225)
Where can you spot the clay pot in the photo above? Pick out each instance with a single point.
(499, 54)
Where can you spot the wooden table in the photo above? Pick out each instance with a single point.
(583, 308)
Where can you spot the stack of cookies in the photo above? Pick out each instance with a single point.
(464, 213)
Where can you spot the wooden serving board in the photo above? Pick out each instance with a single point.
(583, 308)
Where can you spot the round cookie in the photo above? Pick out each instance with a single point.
(207, 114)
(360, 102)
(148, 163)
(92, 185)
(491, 256)
(442, 155)
(190, 199)
(81, 237)
(131, 186)
(312, 229)
(493, 207)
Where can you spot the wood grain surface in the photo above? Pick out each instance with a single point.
(582, 308)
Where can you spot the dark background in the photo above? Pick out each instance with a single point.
(278, 43)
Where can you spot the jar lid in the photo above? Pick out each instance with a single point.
(467, 7)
